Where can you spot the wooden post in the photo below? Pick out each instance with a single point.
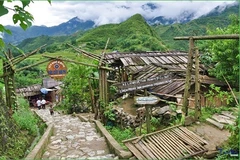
(92, 96)
(9, 83)
(148, 115)
(148, 118)
(188, 77)
(197, 86)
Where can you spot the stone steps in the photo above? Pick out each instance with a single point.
(73, 139)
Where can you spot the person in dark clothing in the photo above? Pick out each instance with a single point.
(51, 109)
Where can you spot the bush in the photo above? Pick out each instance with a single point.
(25, 118)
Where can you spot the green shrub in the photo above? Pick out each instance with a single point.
(24, 118)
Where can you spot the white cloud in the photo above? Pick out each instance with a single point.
(107, 11)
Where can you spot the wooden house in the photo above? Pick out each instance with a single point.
(160, 73)
(33, 92)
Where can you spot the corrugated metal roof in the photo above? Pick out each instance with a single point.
(172, 143)
(173, 60)
(29, 91)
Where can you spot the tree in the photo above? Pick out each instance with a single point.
(76, 88)
(20, 15)
(223, 55)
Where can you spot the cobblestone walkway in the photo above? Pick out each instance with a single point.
(73, 139)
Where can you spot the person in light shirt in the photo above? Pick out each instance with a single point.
(43, 102)
(39, 104)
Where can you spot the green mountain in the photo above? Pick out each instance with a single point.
(54, 43)
(215, 19)
(133, 34)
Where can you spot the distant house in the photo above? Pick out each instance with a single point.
(34, 91)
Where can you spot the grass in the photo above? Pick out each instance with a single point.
(120, 134)
(26, 128)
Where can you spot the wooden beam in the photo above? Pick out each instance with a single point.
(82, 63)
(188, 77)
(90, 55)
(22, 57)
(35, 64)
(103, 54)
(110, 81)
(209, 37)
(197, 87)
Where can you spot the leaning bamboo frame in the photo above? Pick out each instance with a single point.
(192, 39)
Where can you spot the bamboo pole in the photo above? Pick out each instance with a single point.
(110, 81)
(92, 96)
(21, 58)
(85, 53)
(103, 54)
(209, 37)
(35, 64)
(9, 59)
(82, 63)
(197, 87)
(231, 90)
(188, 77)
(7, 93)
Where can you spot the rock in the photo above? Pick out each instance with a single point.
(91, 154)
(210, 154)
(55, 147)
(70, 137)
(189, 120)
(100, 151)
(89, 138)
(56, 142)
(160, 110)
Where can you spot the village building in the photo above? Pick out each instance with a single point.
(33, 92)
(159, 73)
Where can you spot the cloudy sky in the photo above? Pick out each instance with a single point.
(103, 12)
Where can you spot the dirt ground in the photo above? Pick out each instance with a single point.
(213, 135)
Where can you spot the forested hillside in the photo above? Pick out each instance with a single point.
(132, 35)
(198, 26)
(135, 34)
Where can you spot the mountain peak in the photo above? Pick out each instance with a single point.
(76, 19)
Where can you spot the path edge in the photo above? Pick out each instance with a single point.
(114, 146)
(38, 150)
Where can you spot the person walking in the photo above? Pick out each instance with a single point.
(51, 109)
(43, 102)
(39, 104)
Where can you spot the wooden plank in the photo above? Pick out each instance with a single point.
(163, 145)
(172, 144)
(156, 152)
(186, 140)
(194, 154)
(178, 141)
(219, 125)
(134, 151)
(158, 148)
(147, 150)
(143, 152)
(225, 113)
(196, 142)
(222, 120)
(193, 134)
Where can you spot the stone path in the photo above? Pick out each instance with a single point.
(73, 139)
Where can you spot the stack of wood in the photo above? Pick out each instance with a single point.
(124, 119)
(222, 119)
(140, 117)
(127, 120)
